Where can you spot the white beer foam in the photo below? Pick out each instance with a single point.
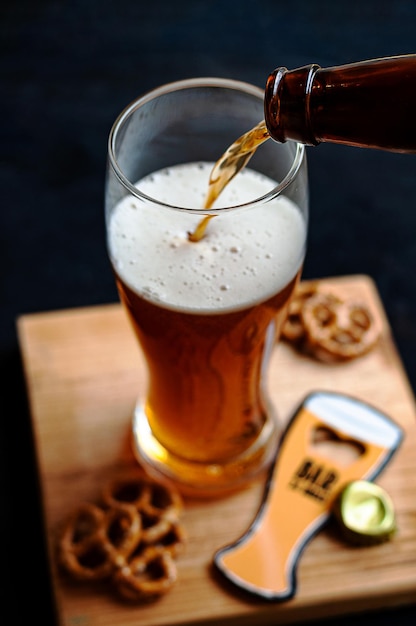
(244, 257)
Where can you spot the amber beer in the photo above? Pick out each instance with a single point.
(206, 315)
(205, 401)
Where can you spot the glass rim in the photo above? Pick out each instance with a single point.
(189, 83)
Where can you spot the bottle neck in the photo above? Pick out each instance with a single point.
(367, 104)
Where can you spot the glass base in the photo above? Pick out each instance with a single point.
(198, 479)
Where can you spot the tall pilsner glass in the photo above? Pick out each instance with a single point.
(207, 313)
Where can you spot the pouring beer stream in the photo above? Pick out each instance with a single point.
(228, 165)
(366, 104)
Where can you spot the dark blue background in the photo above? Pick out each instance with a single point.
(67, 68)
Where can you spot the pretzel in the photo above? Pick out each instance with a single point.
(131, 539)
(338, 330)
(80, 552)
(121, 532)
(172, 540)
(128, 490)
(93, 541)
(147, 576)
(163, 501)
(322, 324)
(158, 506)
(294, 329)
(146, 495)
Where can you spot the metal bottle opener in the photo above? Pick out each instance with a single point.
(331, 440)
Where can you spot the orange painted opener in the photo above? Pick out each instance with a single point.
(331, 440)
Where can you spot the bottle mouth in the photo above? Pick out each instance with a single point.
(297, 157)
(294, 88)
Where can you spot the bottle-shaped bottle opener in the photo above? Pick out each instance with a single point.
(332, 439)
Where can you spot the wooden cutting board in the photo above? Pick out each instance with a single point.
(84, 373)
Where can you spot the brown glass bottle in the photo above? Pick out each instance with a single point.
(368, 104)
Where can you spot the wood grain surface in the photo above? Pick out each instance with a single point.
(84, 372)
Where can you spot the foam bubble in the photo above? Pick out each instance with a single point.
(243, 258)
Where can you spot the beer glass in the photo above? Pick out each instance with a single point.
(206, 313)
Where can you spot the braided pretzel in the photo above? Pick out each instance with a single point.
(80, 551)
(121, 532)
(338, 330)
(163, 502)
(171, 541)
(148, 576)
(155, 528)
(293, 329)
(131, 541)
(324, 325)
(158, 506)
(145, 495)
(94, 541)
(133, 491)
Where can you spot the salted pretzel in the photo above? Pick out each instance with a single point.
(172, 541)
(336, 329)
(130, 539)
(158, 505)
(127, 490)
(328, 327)
(121, 532)
(80, 551)
(145, 494)
(94, 541)
(294, 329)
(148, 576)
